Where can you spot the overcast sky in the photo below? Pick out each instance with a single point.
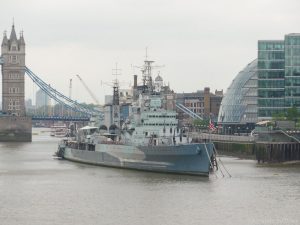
(200, 43)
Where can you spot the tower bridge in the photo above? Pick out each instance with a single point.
(14, 124)
(13, 77)
(61, 98)
(62, 118)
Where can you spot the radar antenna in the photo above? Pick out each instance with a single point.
(146, 70)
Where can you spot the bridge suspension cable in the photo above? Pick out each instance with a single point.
(188, 111)
(61, 98)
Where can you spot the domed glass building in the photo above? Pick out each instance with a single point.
(238, 110)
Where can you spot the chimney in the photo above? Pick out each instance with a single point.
(134, 81)
(206, 90)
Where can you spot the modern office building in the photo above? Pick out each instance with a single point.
(292, 70)
(270, 72)
(42, 99)
(278, 72)
(266, 87)
(238, 111)
(28, 104)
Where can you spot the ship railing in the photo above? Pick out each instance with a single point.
(112, 142)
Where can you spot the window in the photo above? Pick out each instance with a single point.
(13, 104)
(13, 59)
(13, 90)
(13, 75)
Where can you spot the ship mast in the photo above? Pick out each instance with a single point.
(116, 97)
(147, 74)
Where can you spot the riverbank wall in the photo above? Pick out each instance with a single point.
(271, 147)
(242, 150)
(277, 151)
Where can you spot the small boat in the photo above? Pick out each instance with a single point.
(59, 130)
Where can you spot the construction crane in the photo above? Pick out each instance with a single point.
(70, 96)
(70, 89)
(89, 91)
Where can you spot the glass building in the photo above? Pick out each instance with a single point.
(238, 111)
(267, 86)
(292, 70)
(278, 72)
(270, 73)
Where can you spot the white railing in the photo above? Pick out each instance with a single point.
(218, 137)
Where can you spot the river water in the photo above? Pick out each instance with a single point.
(37, 189)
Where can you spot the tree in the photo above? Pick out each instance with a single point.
(279, 116)
(200, 123)
(293, 114)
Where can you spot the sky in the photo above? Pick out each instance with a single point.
(198, 43)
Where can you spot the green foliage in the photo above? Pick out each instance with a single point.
(279, 116)
(291, 114)
(200, 123)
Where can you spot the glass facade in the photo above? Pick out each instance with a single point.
(292, 70)
(278, 72)
(239, 105)
(270, 73)
(267, 86)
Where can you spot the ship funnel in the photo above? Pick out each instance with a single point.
(135, 81)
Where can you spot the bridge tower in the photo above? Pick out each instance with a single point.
(13, 71)
(14, 124)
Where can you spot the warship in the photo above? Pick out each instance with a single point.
(150, 139)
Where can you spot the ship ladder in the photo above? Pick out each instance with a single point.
(220, 162)
(60, 152)
(211, 165)
(214, 161)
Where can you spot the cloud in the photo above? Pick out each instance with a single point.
(206, 42)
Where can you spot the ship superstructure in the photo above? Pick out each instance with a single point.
(150, 139)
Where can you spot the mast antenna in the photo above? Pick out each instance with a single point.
(116, 72)
(146, 53)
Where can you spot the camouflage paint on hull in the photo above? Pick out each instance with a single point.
(184, 159)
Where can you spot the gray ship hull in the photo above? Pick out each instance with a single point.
(194, 159)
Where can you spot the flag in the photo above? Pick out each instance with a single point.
(211, 126)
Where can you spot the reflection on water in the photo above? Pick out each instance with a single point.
(36, 188)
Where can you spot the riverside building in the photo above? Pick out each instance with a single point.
(203, 102)
(267, 86)
(278, 71)
(238, 111)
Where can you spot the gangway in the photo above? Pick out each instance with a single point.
(188, 111)
(290, 136)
